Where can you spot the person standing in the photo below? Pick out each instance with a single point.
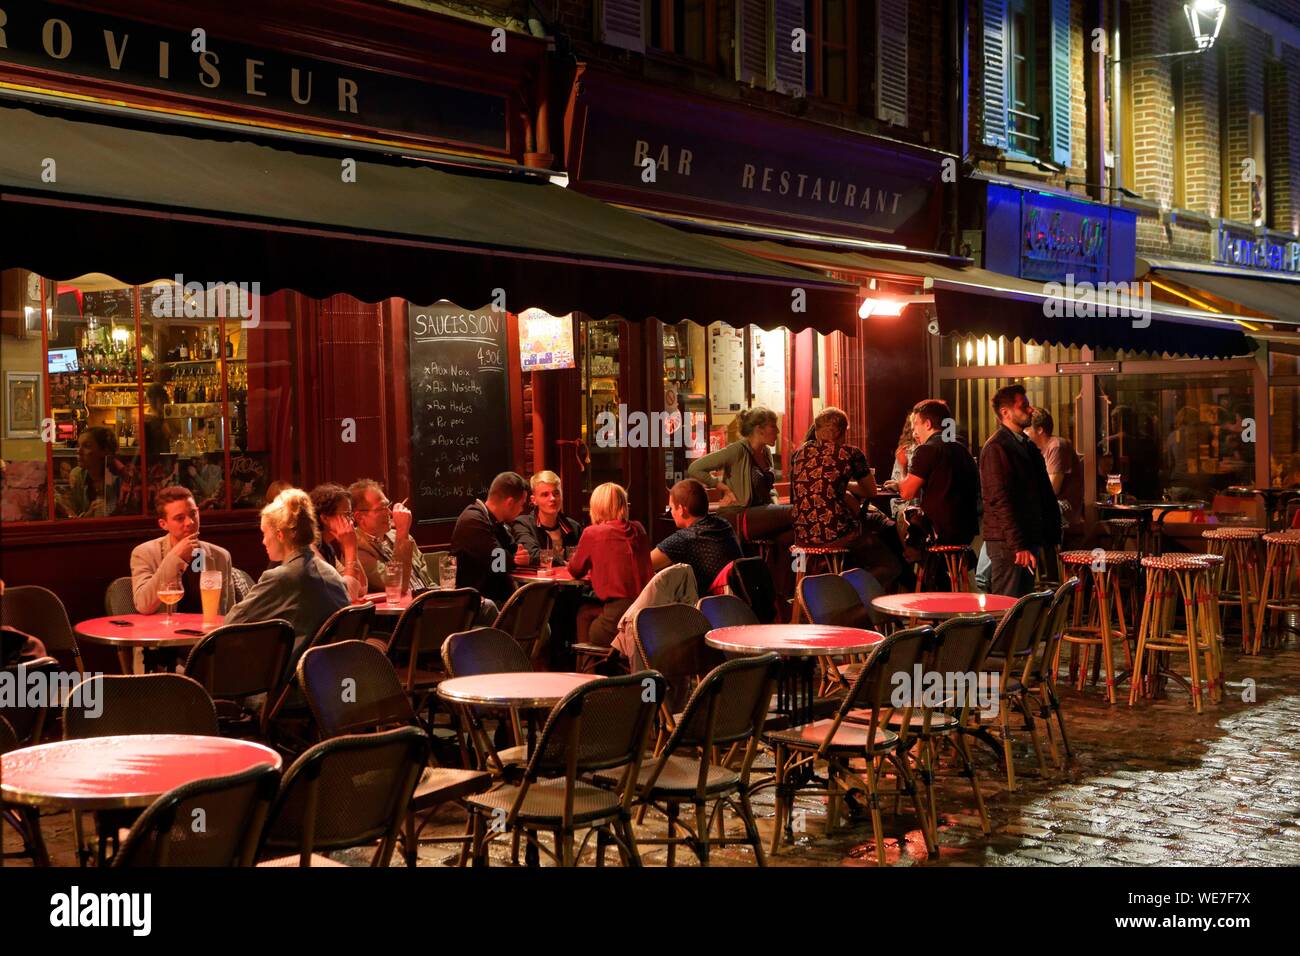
(1065, 471)
(944, 477)
(1021, 516)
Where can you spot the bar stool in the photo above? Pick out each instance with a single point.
(956, 559)
(1240, 550)
(1106, 603)
(1171, 579)
(1280, 592)
(1209, 591)
(832, 558)
(1121, 531)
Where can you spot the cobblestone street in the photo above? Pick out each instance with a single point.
(1150, 785)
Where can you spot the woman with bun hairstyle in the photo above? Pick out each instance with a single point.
(303, 588)
(748, 487)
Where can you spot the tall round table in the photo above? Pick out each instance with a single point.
(145, 631)
(942, 605)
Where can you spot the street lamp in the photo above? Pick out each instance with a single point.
(1205, 17)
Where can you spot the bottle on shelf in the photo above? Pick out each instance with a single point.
(183, 351)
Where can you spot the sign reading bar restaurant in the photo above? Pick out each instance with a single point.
(711, 158)
(53, 38)
(1244, 249)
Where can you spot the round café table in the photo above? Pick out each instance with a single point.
(383, 609)
(942, 605)
(799, 646)
(514, 691)
(1150, 539)
(557, 575)
(145, 631)
(120, 772)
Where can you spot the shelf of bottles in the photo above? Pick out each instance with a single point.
(599, 357)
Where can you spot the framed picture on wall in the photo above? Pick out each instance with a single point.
(22, 412)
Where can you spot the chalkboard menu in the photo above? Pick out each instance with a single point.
(460, 412)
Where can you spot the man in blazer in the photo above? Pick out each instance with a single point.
(1021, 516)
(175, 556)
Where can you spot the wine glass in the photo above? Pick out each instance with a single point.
(1114, 487)
(170, 593)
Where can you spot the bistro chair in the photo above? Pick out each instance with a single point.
(243, 583)
(488, 650)
(416, 642)
(954, 560)
(1009, 657)
(1041, 675)
(727, 709)
(238, 662)
(841, 742)
(828, 599)
(119, 599)
(345, 792)
(807, 555)
(233, 810)
(960, 643)
(1280, 592)
(868, 588)
(526, 614)
(751, 581)
(670, 641)
(1174, 580)
(377, 702)
(28, 723)
(39, 612)
(726, 610)
(597, 727)
(25, 820)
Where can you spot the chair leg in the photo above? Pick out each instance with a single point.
(877, 825)
(968, 768)
(779, 804)
(751, 829)
(671, 811)
(1006, 747)
(899, 760)
(702, 832)
(478, 827)
(624, 826)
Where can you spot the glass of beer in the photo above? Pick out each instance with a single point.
(545, 560)
(393, 584)
(447, 572)
(210, 591)
(170, 592)
(1114, 487)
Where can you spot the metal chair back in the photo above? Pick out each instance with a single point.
(670, 640)
(423, 627)
(830, 600)
(112, 705)
(526, 614)
(483, 650)
(352, 688)
(1054, 622)
(726, 610)
(242, 582)
(599, 725)
(39, 612)
(120, 597)
(28, 722)
(237, 661)
(868, 588)
(876, 688)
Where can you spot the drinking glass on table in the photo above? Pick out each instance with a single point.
(447, 572)
(210, 591)
(170, 592)
(569, 552)
(393, 584)
(545, 560)
(1114, 487)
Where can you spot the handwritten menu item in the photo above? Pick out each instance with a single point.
(460, 410)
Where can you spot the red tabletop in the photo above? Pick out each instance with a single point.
(940, 605)
(513, 689)
(559, 575)
(794, 640)
(104, 773)
(145, 630)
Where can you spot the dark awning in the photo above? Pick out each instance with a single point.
(980, 302)
(138, 204)
(1277, 299)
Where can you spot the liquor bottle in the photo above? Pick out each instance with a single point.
(183, 352)
(230, 348)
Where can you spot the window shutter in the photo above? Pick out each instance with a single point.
(1061, 86)
(995, 73)
(620, 24)
(751, 42)
(788, 15)
(891, 61)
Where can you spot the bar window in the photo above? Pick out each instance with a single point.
(1024, 118)
(833, 42)
(683, 27)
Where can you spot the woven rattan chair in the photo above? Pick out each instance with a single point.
(868, 588)
(346, 792)
(233, 810)
(750, 579)
(27, 722)
(39, 612)
(1040, 677)
(670, 640)
(238, 662)
(376, 701)
(727, 709)
(26, 821)
(489, 650)
(598, 726)
(526, 615)
(841, 741)
(1009, 657)
(726, 610)
(119, 599)
(416, 643)
(831, 600)
(242, 581)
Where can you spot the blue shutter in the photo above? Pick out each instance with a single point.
(1061, 86)
(788, 76)
(995, 73)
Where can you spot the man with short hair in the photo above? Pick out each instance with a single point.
(485, 552)
(1065, 471)
(946, 479)
(705, 542)
(384, 535)
(547, 526)
(1021, 516)
(176, 556)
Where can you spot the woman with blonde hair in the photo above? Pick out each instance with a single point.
(303, 588)
(614, 555)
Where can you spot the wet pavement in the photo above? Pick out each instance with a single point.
(1156, 784)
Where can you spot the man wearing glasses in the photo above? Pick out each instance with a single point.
(384, 535)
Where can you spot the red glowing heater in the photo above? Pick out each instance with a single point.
(881, 305)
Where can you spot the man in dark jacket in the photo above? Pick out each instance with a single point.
(1020, 511)
(485, 552)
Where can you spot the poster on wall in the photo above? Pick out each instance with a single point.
(727, 368)
(545, 340)
(767, 372)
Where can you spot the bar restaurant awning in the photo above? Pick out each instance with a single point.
(980, 302)
(136, 204)
(1273, 297)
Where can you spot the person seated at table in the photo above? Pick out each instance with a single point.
(485, 552)
(945, 479)
(17, 647)
(301, 587)
(338, 534)
(384, 535)
(175, 556)
(614, 555)
(101, 484)
(546, 526)
(829, 476)
(704, 541)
